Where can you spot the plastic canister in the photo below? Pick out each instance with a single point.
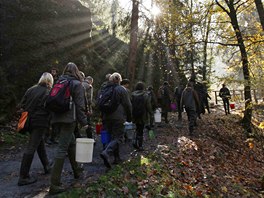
(157, 115)
(84, 150)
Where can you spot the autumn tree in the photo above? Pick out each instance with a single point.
(231, 8)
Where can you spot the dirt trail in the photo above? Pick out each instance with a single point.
(10, 158)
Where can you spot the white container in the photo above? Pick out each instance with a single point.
(130, 129)
(84, 150)
(157, 115)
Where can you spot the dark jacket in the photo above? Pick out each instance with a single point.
(166, 99)
(124, 109)
(33, 102)
(77, 111)
(88, 95)
(178, 93)
(190, 99)
(148, 107)
(224, 93)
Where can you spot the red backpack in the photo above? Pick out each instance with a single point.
(59, 99)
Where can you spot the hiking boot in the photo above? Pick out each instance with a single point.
(24, 178)
(26, 181)
(117, 160)
(78, 172)
(105, 157)
(140, 148)
(55, 186)
(56, 189)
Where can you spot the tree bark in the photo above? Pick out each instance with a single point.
(260, 10)
(133, 42)
(232, 13)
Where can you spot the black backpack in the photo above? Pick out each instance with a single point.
(59, 99)
(138, 105)
(108, 99)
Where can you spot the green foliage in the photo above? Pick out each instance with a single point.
(11, 138)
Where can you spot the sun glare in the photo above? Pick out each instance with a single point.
(155, 10)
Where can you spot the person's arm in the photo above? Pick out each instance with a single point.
(126, 104)
(78, 96)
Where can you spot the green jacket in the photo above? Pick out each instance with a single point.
(148, 107)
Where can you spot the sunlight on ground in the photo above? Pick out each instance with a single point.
(144, 161)
(184, 144)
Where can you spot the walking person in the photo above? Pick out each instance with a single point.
(67, 122)
(177, 95)
(190, 102)
(88, 87)
(114, 121)
(205, 97)
(154, 105)
(165, 100)
(224, 93)
(141, 108)
(39, 123)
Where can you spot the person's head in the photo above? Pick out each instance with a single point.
(165, 83)
(82, 75)
(54, 71)
(223, 85)
(140, 86)
(72, 70)
(107, 77)
(46, 79)
(150, 88)
(89, 79)
(189, 84)
(125, 83)
(115, 78)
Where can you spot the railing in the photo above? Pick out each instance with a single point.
(238, 95)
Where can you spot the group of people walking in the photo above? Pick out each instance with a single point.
(40, 119)
(135, 106)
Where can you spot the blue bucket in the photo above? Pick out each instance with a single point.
(105, 137)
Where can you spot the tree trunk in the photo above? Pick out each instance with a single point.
(204, 69)
(260, 9)
(133, 42)
(232, 13)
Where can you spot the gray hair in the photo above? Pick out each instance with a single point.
(115, 77)
(89, 79)
(46, 78)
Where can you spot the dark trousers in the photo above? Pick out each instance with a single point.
(116, 129)
(191, 114)
(226, 105)
(178, 103)
(36, 143)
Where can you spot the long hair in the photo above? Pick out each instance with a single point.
(72, 70)
(47, 79)
(140, 86)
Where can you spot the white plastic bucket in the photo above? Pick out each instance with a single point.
(84, 150)
(130, 129)
(157, 115)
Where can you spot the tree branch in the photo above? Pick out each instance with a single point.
(222, 7)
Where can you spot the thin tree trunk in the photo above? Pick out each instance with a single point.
(260, 9)
(204, 70)
(247, 84)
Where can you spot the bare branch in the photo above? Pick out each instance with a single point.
(222, 7)
(241, 4)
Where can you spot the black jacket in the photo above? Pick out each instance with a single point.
(33, 102)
